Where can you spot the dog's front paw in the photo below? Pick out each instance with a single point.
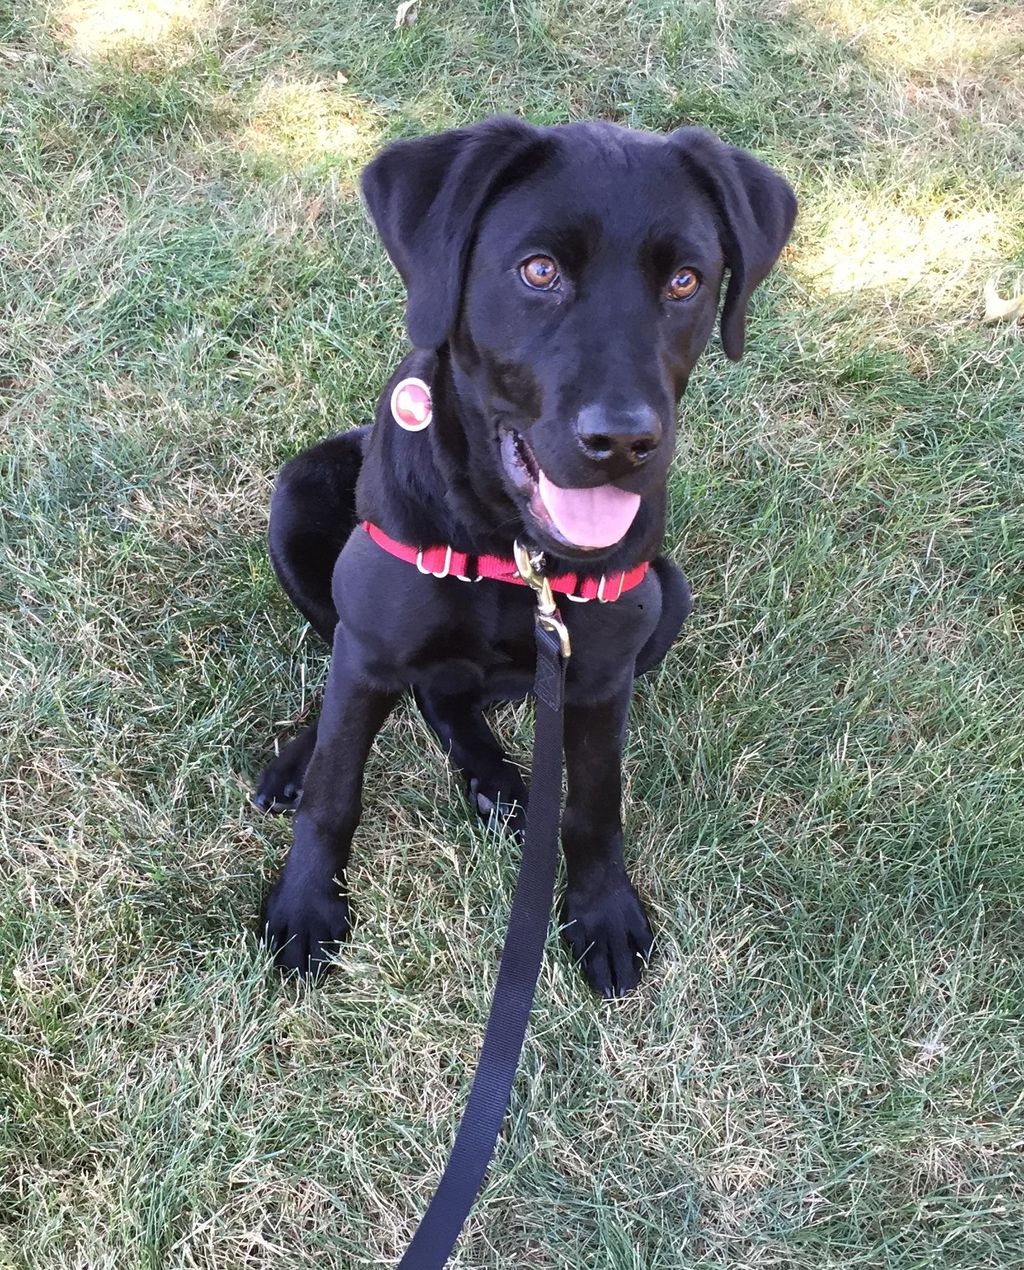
(605, 924)
(305, 923)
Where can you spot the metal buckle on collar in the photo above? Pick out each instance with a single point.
(444, 572)
(609, 599)
(462, 577)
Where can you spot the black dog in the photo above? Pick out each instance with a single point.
(562, 283)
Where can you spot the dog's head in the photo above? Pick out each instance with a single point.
(575, 272)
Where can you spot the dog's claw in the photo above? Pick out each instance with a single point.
(484, 805)
(305, 925)
(505, 803)
(270, 804)
(279, 788)
(608, 931)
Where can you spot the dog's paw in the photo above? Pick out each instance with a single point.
(607, 929)
(280, 786)
(305, 925)
(500, 798)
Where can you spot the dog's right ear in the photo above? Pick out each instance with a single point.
(426, 196)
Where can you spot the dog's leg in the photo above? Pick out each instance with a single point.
(307, 911)
(603, 919)
(493, 784)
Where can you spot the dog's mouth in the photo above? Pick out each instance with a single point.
(589, 518)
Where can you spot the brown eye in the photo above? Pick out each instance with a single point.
(684, 283)
(541, 273)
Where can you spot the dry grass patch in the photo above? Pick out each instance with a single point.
(145, 33)
(319, 125)
(890, 246)
(926, 37)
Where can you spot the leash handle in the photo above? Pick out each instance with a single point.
(518, 972)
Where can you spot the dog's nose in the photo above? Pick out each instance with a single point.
(623, 438)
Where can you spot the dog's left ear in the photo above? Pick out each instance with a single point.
(757, 208)
(426, 196)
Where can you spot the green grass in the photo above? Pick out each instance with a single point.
(825, 807)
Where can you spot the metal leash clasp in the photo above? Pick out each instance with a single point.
(547, 615)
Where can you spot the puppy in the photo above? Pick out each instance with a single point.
(561, 284)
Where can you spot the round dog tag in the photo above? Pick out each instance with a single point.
(411, 405)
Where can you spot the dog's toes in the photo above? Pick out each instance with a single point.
(310, 961)
(305, 931)
(607, 929)
(277, 791)
(274, 794)
(270, 804)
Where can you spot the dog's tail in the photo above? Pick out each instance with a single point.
(312, 513)
(676, 604)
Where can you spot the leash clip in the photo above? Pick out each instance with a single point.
(547, 615)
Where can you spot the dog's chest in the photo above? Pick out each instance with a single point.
(509, 669)
(482, 646)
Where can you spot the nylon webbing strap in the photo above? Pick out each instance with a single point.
(517, 978)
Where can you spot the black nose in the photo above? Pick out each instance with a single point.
(623, 439)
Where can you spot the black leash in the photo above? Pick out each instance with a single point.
(521, 956)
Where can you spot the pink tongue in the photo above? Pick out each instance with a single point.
(595, 517)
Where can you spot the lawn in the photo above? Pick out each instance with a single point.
(825, 803)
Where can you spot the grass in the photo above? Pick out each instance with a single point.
(826, 781)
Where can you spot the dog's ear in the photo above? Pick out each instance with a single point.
(757, 209)
(425, 197)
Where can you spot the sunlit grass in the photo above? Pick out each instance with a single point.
(927, 35)
(98, 28)
(873, 242)
(319, 124)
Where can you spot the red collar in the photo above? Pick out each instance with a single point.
(444, 562)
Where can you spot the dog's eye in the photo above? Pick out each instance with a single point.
(540, 273)
(684, 283)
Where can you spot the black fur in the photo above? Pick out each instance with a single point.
(584, 378)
